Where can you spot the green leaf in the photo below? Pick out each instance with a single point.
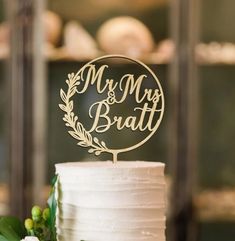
(2, 238)
(52, 206)
(53, 181)
(11, 228)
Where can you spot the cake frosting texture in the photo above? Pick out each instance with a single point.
(102, 201)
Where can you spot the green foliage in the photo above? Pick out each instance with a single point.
(2, 238)
(52, 207)
(11, 229)
(42, 224)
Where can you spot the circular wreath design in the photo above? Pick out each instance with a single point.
(78, 131)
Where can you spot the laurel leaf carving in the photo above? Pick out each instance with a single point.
(62, 107)
(77, 130)
(62, 95)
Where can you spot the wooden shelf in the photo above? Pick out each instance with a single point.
(217, 205)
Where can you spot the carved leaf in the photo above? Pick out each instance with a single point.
(88, 137)
(71, 105)
(91, 150)
(103, 144)
(74, 135)
(79, 127)
(96, 140)
(82, 143)
(73, 91)
(62, 95)
(62, 107)
(97, 153)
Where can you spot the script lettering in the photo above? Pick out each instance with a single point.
(93, 76)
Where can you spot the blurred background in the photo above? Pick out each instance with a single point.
(189, 44)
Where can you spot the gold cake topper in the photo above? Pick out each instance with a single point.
(146, 115)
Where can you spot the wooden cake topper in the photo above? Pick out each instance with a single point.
(146, 116)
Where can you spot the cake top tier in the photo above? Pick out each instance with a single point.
(110, 165)
(108, 168)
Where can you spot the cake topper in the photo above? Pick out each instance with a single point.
(140, 88)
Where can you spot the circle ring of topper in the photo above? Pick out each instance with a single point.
(78, 131)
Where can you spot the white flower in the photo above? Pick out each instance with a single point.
(30, 238)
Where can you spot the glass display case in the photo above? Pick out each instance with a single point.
(215, 199)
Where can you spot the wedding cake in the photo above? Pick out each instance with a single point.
(103, 201)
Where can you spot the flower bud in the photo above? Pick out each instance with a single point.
(28, 223)
(36, 211)
(46, 214)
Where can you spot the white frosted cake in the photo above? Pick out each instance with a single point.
(102, 201)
